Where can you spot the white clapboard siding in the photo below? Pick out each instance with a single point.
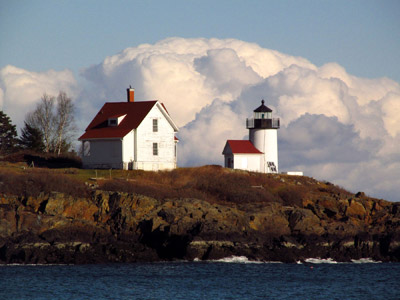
(164, 137)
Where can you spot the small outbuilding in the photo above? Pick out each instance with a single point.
(242, 155)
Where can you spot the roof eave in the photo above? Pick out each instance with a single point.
(248, 153)
(101, 138)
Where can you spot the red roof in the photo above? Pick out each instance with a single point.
(242, 146)
(116, 116)
(135, 113)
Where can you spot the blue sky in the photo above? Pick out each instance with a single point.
(362, 36)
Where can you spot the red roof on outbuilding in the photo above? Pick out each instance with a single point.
(135, 113)
(242, 146)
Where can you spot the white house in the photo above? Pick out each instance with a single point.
(131, 135)
(260, 152)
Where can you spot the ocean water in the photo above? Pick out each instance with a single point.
(233, 278)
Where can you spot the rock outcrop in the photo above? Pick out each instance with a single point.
(121, 227)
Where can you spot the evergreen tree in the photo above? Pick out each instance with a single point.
(31, 138)
(8, 134)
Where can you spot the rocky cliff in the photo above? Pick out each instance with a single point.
(122, 227)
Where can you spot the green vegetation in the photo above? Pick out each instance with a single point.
(8, 134)
(31, 138)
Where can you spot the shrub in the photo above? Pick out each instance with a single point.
(48, 160)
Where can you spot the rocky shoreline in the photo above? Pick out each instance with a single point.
(121, 227)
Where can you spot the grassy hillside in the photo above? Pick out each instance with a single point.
(210, 183)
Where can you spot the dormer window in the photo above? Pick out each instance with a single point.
(115, 120)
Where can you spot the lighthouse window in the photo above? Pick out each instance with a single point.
(262, 116)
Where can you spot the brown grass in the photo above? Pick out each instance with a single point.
(213, 184)
(210, 183)
(32, 182)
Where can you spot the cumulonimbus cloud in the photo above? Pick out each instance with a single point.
(20, 89)
(334, 125)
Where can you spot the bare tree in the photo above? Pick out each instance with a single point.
(64, 121)
(42, 118)
(56, 123)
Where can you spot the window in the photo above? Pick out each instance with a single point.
(112, 122)
(155, 149)
(155, 125)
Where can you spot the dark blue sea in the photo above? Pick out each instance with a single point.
(233, 279)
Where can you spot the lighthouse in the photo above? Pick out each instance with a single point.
(263, 134)
(260, 152)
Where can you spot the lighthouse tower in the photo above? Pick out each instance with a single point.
(263, 134)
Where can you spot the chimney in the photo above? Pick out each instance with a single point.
(131, 94)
